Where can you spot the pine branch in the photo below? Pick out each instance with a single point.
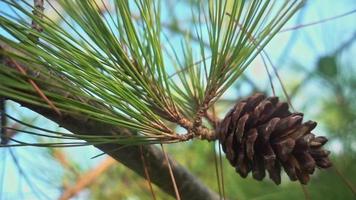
(130, 156)
(125, 76)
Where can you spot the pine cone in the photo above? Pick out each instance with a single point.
(260, 134)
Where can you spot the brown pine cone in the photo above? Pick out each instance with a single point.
(260, 134)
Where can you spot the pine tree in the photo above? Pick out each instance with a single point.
(106, 79)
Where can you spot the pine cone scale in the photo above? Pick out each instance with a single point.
(289, 167)
(286, 123)
(275, 173)
(241, 127)
(251, 139)
(266, 129)
(269, 157)
(260, 134)
(306, 162)
(284, 148)
(258, 169)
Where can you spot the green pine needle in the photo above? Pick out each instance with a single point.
(113, 67)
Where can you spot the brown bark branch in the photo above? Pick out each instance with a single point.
(188, 185)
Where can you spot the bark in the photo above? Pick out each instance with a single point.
(189, 186)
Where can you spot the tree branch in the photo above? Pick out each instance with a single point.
(86, 179)
(189, 186)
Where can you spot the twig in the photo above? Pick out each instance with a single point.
(318, 22)
(212, 118)
(86, 179)
(37, 192)
(305, 192)
(345, 44)
(61, 158)
(35, 86)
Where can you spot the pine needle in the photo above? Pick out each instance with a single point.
(171, 174)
